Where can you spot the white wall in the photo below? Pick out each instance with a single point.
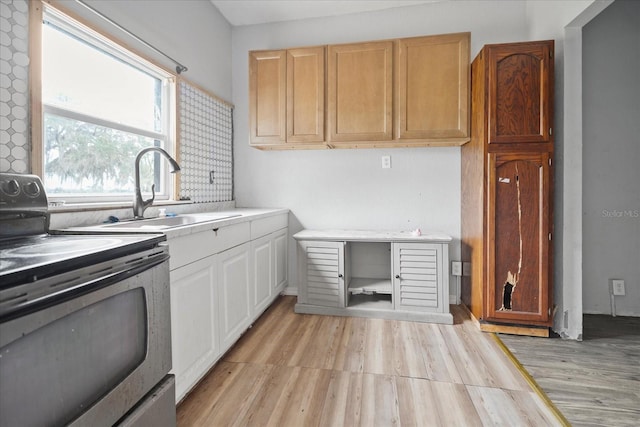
(348, 188)
(562, 21)
(192, 32)
(611, 155)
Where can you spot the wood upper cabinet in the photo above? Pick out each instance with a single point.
(519, 244)
(520, 89)
(360, 91)
(393, 93)
(287, 96)
(267, 97)
(305, 94)
(433, 87)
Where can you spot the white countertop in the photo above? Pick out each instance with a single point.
(371, 236)
(241, 215)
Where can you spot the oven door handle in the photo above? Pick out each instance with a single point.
(102, 278)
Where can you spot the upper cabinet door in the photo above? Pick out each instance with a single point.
(433, 87)
(360, 97)
(520, 95)
(305, 94)
(267, 96)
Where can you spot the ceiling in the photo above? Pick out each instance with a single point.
(249, 12)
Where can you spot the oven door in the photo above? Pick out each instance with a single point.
(89, 358)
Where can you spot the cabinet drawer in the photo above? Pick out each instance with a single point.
(263, 226)
(187, 249)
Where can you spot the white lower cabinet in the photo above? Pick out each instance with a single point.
(194, 322)
(221, 282)
(262, 283)
(269, 257)
(373, 274)
(234, 304)
(280, 241)
(418, 277)
(322, 273)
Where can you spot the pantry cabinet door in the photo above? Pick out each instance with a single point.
(519, 244)
(360, 91)
(520, 82)
(267, 97)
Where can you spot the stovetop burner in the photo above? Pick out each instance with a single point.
(29, 252)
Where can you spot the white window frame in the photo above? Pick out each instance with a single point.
(84, 31)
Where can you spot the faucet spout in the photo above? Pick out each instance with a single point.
(139, 204)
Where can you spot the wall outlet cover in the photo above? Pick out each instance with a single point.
(617, 287)
(456, 268)
(386, 162)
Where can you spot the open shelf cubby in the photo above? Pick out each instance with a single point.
(369, 279)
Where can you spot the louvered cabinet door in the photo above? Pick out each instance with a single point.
(322, 274)
(519, 248)
(419, 282)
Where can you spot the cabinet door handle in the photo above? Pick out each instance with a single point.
(340, 275)
(397, 276)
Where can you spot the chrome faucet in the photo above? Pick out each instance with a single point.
(139, 205)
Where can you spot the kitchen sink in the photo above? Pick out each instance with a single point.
(168, 222)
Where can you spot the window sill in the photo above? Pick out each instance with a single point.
(103, 206)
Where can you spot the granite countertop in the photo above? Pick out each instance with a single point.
(371, 236)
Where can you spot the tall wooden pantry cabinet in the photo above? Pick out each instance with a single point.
(507, 189)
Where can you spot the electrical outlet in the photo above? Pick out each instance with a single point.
(617, 287)
(456, 268)
(386, 162)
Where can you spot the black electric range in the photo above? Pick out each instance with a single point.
(30, 252)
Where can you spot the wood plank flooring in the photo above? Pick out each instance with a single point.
(308, 370)
(595, 382)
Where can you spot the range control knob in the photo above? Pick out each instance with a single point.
(11, 187)
(32, 189)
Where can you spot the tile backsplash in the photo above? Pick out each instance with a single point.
(14, 86)
(206, 146)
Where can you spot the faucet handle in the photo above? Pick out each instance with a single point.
(149, 202)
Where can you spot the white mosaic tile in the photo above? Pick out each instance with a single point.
(206, 147)
(14, 86)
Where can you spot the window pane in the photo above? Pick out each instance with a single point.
(86, 159)
(81, 78)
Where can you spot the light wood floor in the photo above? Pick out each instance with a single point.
(307, 370)
(595, 382)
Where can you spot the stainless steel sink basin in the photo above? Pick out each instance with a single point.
(168, 222)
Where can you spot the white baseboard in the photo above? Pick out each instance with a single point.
(290, 290)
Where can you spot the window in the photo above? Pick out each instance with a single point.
(101, 105)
